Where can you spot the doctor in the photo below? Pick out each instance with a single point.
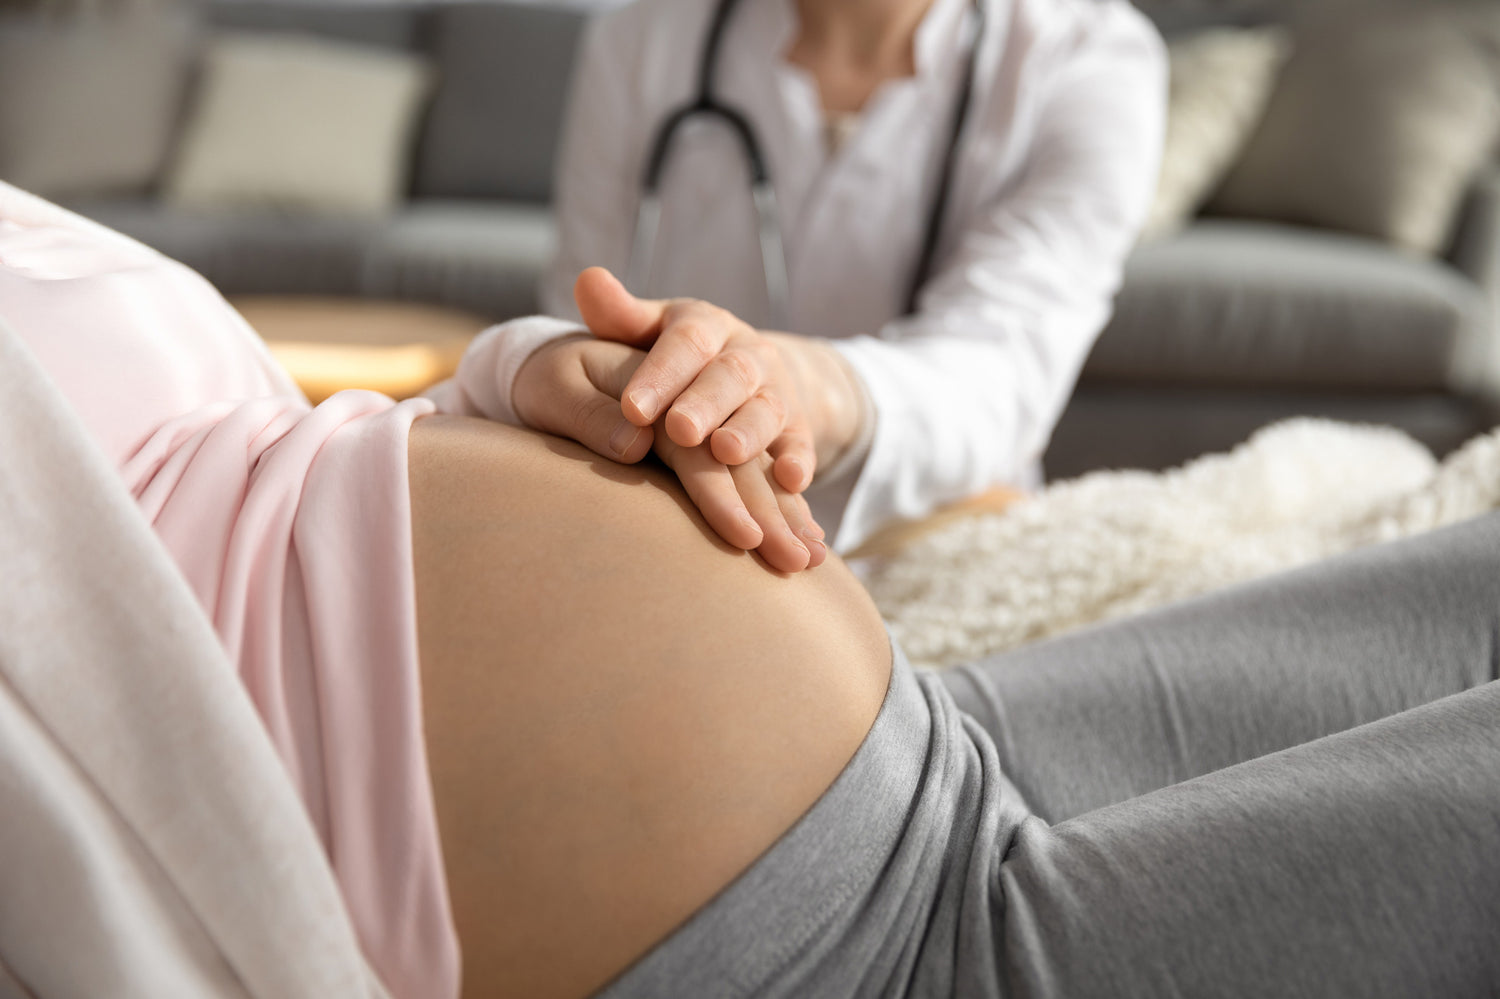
(936, 196)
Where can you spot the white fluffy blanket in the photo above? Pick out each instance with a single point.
(1113, 543)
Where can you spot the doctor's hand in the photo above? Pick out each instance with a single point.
(571, 388)
(711, 378)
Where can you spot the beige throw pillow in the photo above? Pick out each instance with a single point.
(1377, 127)
(1221, 82)
(299, 125)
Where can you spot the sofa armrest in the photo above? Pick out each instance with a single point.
(1476, 254)
(1476, 244)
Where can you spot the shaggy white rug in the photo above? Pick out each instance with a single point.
(1113, 543)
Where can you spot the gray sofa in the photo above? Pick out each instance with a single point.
(1235, 323)
(476, 228)
(1219, 330)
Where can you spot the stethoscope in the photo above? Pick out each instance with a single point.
(772, 250)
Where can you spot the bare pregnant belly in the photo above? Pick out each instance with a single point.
(622, 713)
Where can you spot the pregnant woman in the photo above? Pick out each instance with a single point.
(538, 711)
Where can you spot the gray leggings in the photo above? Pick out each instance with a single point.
(1193, 852)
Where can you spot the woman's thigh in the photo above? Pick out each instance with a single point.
(1363, 864)
(1122, 709)
(621, 712)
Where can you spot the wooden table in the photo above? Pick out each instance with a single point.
(328, 344)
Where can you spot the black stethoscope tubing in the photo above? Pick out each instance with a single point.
(773, 256)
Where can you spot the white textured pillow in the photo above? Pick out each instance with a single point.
(299, 125)
(1221, 83)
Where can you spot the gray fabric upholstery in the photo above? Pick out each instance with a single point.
(250, 254)
(1215, 337)
(89, 108)
(482, 256)
(493, 125)
(1184, 16)
(485, 257)
(1243, 303)
(1177, 17)
(1150, 425)
(1475, 253)
(1476, 243)
(388, 25)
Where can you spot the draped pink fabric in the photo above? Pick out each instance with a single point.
(292, 525)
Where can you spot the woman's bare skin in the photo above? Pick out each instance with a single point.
(622, 712)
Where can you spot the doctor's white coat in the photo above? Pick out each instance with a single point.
(1055, 172)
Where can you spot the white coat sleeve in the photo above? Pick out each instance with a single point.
(967, 390)
(598, 166)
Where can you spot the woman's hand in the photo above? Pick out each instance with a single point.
(747, 506)
(572, 387)
(710, 377)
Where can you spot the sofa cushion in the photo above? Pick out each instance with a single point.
(248, 254)
(1221, 82)
(1476, 244)
(302, 125)
(1174, 17)
(388, 25)
(486, 258)
(1246, 303)
(494, 120)
(90, 107)
(1377, 126)
(1153, 426)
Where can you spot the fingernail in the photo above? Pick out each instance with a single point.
(816, 547)
(624, 437)
(644, 400)
(733, 438)
(814, 533)
(748, 522)
(802, 475)
(695, 427)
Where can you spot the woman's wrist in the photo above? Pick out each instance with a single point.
(488, 372)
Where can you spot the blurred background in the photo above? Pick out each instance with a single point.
(369, 182)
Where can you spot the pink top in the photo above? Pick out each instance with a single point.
(292, 525)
